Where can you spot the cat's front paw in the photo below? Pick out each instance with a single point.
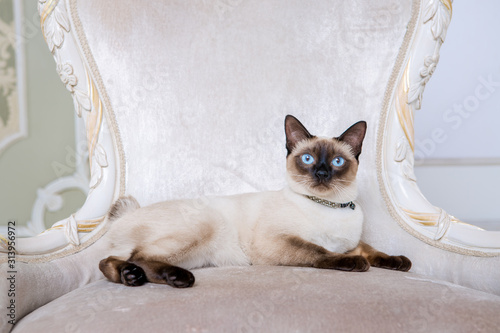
(132, 275)
(398, 263)
(178, 277)
(345, 263)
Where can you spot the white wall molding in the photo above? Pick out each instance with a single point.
(457, 162)
(16, 127)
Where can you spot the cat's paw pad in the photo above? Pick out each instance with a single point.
(398, 263)
(132, 275)
(178, 277)
(352, 264)
(406, 264)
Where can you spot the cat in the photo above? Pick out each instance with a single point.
(312, 222)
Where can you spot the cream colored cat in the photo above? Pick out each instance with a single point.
(312, 222)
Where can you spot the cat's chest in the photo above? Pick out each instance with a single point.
(337, 230)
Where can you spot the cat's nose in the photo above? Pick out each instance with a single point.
(322, 174)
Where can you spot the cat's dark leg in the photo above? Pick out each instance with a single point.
(160, 271)
(121, 271)
(295, 251)
(380, 259)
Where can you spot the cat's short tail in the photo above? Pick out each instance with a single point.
(122, 206)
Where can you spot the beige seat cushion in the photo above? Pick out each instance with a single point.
(273, 299)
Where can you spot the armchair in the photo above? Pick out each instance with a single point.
(187, 98)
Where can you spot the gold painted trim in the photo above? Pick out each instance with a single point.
(82, 226)
(96, 220)
(4, 241)
(405, 111)
(428, 221)
(100, 89)
(448, 5)
(427, 218)
(108, 112)
(65, 251)
(94, 119)
(50, 5)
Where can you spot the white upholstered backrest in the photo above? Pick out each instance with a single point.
(200, 90)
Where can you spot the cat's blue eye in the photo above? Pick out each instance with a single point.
(307, 159)
(338, 161)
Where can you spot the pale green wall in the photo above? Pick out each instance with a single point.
(26, 165)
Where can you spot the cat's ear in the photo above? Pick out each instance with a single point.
(354, 136)
(295, 132)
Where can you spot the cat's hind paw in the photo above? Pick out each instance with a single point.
(132, 275)
(178, 277)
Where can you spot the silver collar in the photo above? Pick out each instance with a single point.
(331, 204)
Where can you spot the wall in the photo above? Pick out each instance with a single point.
(30, 163)
(457, 136)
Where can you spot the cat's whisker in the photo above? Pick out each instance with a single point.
(338, 188)
(301, 176)
(342, 191)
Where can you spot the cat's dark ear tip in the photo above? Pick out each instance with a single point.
(361, 124)
(291, 120)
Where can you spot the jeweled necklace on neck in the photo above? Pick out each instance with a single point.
(331, 204)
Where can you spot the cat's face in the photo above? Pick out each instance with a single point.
(323, 167)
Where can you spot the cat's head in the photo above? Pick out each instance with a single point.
(320, 166)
